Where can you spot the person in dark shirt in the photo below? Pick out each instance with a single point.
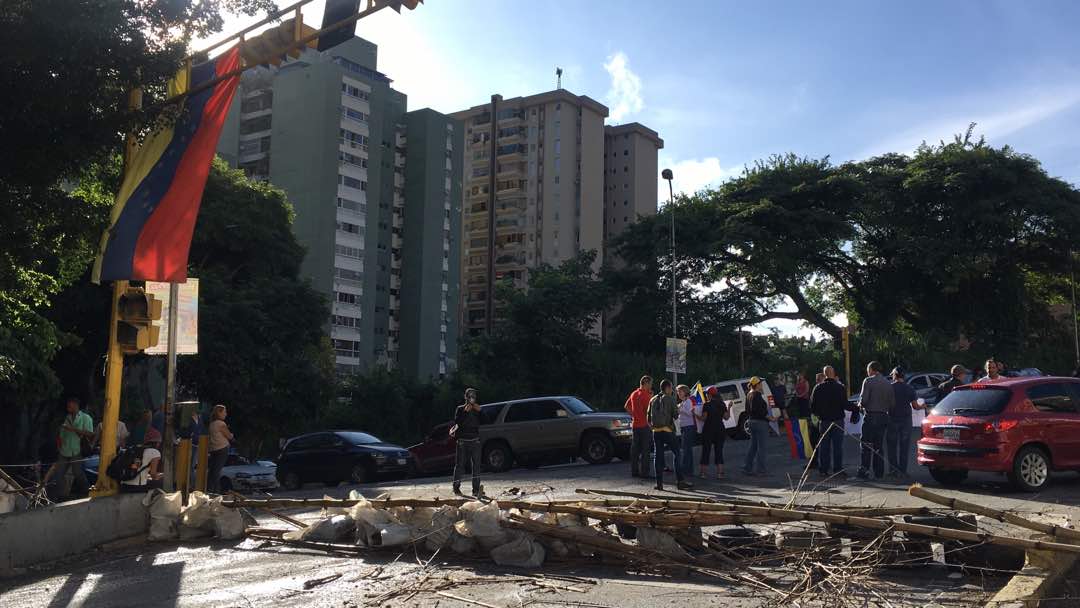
(828, 403)
(712, 432)
(759, 429)
(466, 432)
(958, 376)
(898, 434)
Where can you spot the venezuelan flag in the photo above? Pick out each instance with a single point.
(798, 432)
(697, 394)
(149, 235)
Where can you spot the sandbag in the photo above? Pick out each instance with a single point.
(197, 513)
(522, 552)
(481, 523)
(164, 514)
(440, 529)
(327, 530)
(661, 542)
(228, 523)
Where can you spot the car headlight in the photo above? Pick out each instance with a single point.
(379, 458)
(243, 475)
(619, 423)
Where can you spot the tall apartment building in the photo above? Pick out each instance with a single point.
(630, 175)
(533, 191)
(377, 195)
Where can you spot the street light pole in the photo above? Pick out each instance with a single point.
(668, 175)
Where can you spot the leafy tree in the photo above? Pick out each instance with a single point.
(70, 64)
(263, 349)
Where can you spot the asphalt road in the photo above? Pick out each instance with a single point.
(247, 573)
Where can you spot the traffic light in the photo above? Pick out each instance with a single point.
(264, 48)
(136, 312)
(409, 4)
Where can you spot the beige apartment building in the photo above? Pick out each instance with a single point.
(534, 185)
(630, 174)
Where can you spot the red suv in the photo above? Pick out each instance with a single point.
(1023, 427)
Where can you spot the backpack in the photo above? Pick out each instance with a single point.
(124, 467)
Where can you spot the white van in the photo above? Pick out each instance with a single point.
(733, 392)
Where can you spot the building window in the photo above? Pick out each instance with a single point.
(345, 298)
(351, 205)
(352, 159)
(262, 101)
(262, 123)
(349, 252)
(354, 115)
(352, 182)
(255, 146)
(343, 321)
(352, 91)
(346, 348)
(626, 169)
(348, 227)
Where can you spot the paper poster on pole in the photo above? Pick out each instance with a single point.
(676, 355)
(187, 326)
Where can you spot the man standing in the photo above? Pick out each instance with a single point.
(876, 401)
(77, 426)
(898, 439)
(637, 405)
(827, 405)
(779, 391)
(992, 372)
(466, 432)
(661, 416)
(958, 372)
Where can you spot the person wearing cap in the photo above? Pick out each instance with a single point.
(466, 433)
(637, 405)
(898, 435)
(149, 465)
(714, 411)
(876, 402)
(958, 374)
(759, 420)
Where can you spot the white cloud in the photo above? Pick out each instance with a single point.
(694, 174)
(1021, 110)
(624, 96)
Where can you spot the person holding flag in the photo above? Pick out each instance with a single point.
(689, 413)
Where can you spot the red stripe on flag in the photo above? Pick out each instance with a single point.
(161, 253)
(791, 439)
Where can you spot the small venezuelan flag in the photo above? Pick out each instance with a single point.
(149, 234)
(697, 394)
(798, 432)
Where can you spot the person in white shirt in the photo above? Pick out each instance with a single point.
(122, 434)
(149, 465)
(220, 438)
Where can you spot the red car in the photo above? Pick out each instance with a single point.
(1024, 427)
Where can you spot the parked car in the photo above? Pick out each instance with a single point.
(242, 475)
(924, 383)
(733, 392)
(335, 456)
(1024, 427)
(529, 431)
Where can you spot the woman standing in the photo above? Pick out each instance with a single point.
(220, 437)
(712, 432)
(688, 415)
(759, 429)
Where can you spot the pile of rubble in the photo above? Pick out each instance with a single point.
(792, 551)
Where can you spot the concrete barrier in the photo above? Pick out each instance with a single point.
(65, 529)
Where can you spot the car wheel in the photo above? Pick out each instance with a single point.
(597, 448)
(291, 481)
(225, 485)
(1031, 469)
(948, 477)
(362, 473)
(497, 456)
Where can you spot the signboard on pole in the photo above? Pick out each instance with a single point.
(187, 327)
(676, 355)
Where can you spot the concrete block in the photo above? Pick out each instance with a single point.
(66, 529)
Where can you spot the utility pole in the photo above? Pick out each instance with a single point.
(1076, 328)
(846, 342)
(668, 175)
(168, 451)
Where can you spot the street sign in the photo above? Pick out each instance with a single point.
(676, 355)
(187, 327)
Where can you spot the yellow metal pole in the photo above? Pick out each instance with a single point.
(114, 371)
(183, 468)
(201, 466)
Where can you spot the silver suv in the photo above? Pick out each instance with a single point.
(529, 431)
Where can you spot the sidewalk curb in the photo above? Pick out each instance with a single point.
(1041, 577)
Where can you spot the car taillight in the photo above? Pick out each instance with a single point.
(999, 426)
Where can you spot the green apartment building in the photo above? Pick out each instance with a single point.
(377, 194)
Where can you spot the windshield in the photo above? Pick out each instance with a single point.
(359, 438)
(577, 405)
(970, 401)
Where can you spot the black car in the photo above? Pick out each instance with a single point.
(335, 456)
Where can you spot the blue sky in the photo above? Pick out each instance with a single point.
(727, 83)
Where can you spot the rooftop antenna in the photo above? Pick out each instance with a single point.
(558, 78)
